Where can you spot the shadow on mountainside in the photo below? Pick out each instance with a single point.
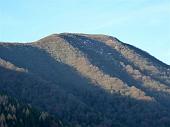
(99, 54)
(108, 60)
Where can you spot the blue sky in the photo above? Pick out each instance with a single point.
(143, 23)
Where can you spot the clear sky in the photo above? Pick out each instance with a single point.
(143, 23)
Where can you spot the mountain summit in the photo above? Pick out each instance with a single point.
(88, 80)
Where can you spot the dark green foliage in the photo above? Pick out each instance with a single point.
(16, 114)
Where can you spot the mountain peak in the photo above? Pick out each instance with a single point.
(100, 37)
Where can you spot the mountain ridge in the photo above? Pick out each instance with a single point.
(83, 34)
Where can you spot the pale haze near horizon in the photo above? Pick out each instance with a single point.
(142, 23)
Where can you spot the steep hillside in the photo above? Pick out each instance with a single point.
(88, 80)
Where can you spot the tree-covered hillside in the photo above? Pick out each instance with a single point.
(16, 114)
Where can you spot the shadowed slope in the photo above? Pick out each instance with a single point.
(62, 51)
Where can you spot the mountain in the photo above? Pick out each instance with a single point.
(88, 80)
